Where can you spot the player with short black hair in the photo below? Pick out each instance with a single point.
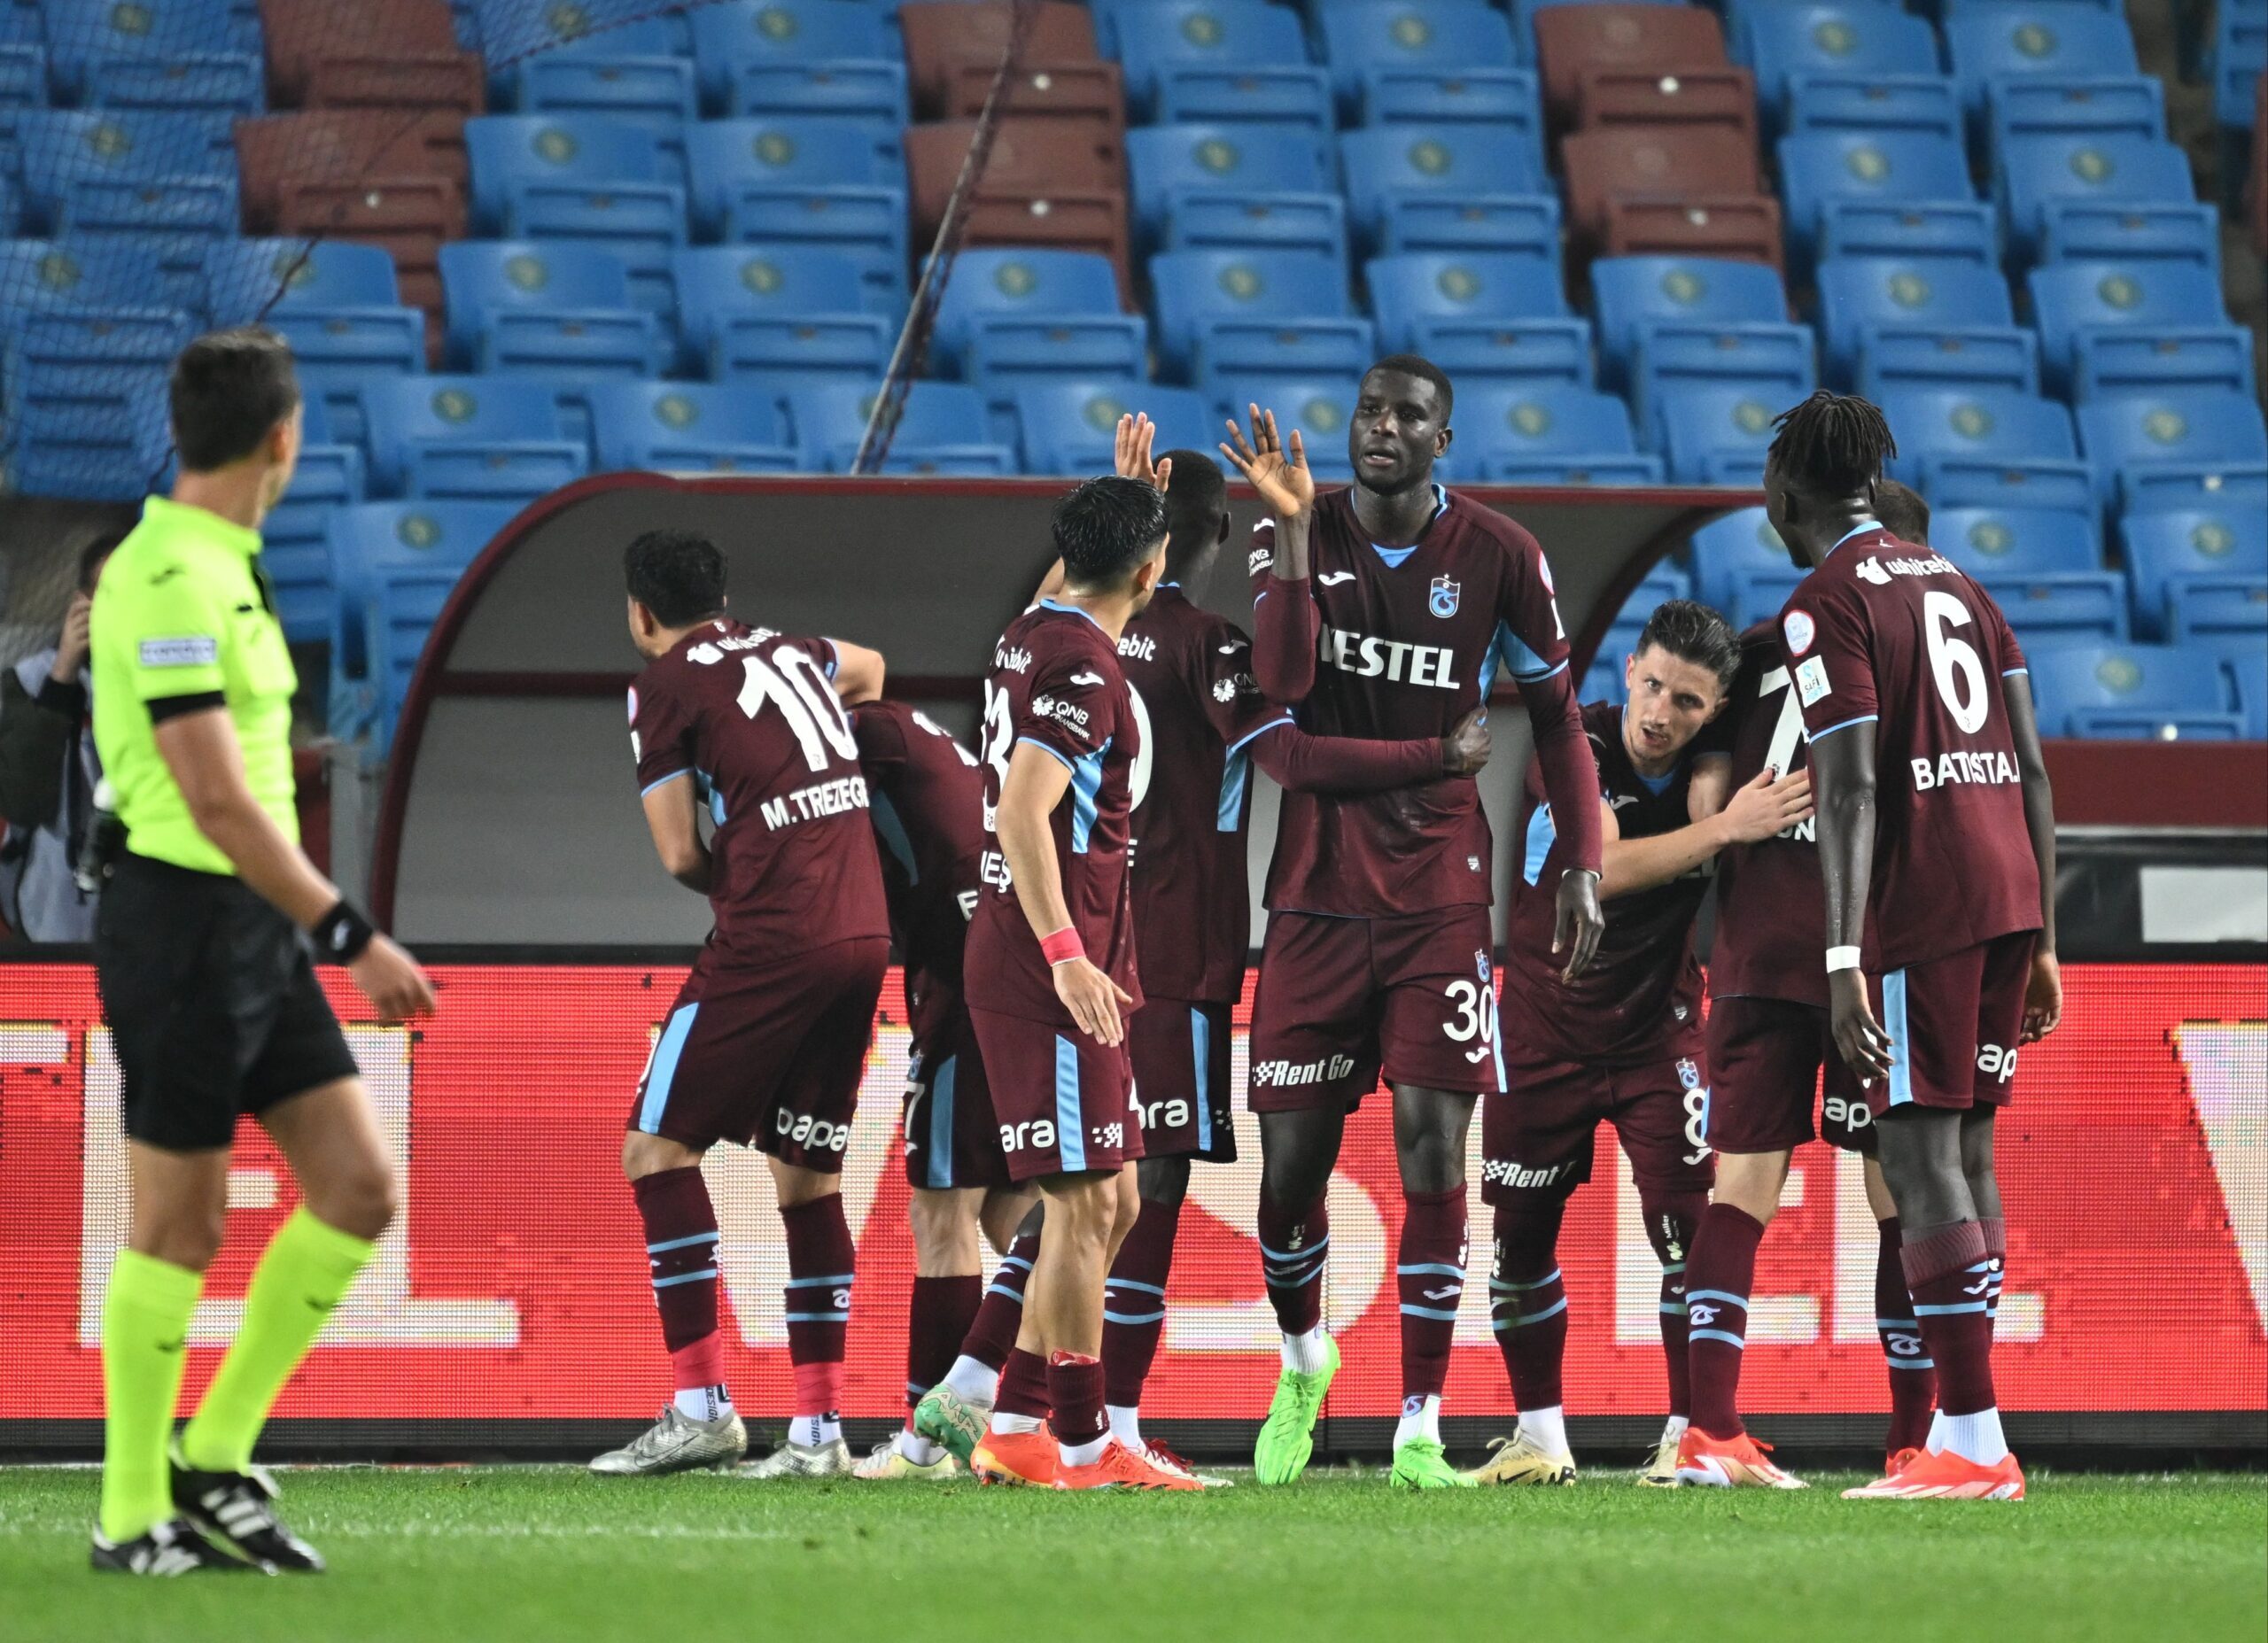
(1621, 1043)
(1904, 512)
(1377, 950)
(1937, 846)
(766, 1042)
(228, 390)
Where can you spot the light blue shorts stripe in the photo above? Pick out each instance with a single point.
(666, 1051)
(939, 1165)
(1070, 1122)
(1200, 1046)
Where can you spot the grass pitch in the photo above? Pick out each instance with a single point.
(550, 1555)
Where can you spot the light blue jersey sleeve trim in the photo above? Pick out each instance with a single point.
(1033, 741)
(1864, 718)
(652, 786)
(1252, 736)
(2012, 672)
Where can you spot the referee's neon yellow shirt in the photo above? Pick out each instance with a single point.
(180, 612)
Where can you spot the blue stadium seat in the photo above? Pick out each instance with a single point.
(1782, 42)
(1524, 225)
(1996, 424)
(294, 546)
(60, 273)
(1068, 428)
(733, 39)
(1009, 316)
(2173, 310)
(1298, 96)
(2227, 617)
(1859, 295)
(1541, 420)
(82, 34)
(761, 311)
(2039, 106)
(2026, 482)
(1923, 103)
(178, 218)
(2148, 489)
(231, 82)
(1890, 167)
(1921, 356)
(1911, 231)
(511, 153)
(2035, 173)
(2058, 38)
(530, 305)
(1318, 408)
(2041, 565)
(688, 427)
(1716, 433)
(1283, 312)
(1480, 316)
(1171, 166)
(2135, 692)
(335, 301)
(53, 149)
(1361, 35)
(802, 181)
(2164, 551)
(1502, 98)
(1189, 43)
(550, 59)
(470, 438)
(942, 430)
(2244, 663)
(1604, 468)
(23, 76)
(1731, 553)
(2237, 54)
(1770, 360)
(2131, 231)
(2194, 431)
(110, 450)
(1289, 221)
(1631, 293)
(1392, 166)
(68, 365)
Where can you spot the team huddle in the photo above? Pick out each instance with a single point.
(1860, 780)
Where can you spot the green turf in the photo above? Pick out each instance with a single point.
(550, 1555)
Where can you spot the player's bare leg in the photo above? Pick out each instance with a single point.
(699, 1427)
(948, 1286)
(820, 1267)
(1429, 1134)
(1925, 1158)
(1716, 1449)
(1528, 1307)
(1298, 1151)
(957, 1411)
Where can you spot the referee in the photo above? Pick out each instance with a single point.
(202, 947)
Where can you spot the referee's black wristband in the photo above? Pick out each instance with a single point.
(341, 934)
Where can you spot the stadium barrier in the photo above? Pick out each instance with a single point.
(507, 1311)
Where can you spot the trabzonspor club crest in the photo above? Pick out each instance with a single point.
(1442, 600)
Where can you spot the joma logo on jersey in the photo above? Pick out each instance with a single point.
(1038, 1135)
(1988, 769)
(1393, 659)
(1509, 1173)
(1285, 1074)
(815, 1135)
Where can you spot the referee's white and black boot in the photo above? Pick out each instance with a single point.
(238, 1510)
(173, 1547)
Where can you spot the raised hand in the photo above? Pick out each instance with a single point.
(1136, 432)
(1280, 474)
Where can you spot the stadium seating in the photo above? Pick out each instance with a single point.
(1817, 168)
(2166, 553)
(2043, 566)
(1741, 566)
(1861, 296)
(2131, 231)
(746, 54)
(1318, 408)
(1715, 433)
(1394, 170)
(2156, 691)
(1737, 228)
(1697, 169)
(548, 59)
(1693, 98)
(1360, 37)
(1048, 183)
(942, 430)
(1502, 98)
(942, 37)
(1265, 185)
(1573, 41)
(1910, 231)
(513, 157)
(2111, 327)
(683, 427)
(1631, 294)
(1010, 317)
(772, 312)
(334, 301)
(1540, 420)
(1069, 428)
(2036, 174)
(1978, 423)
(2178, 431)
(538, 306)
(470, 438)
(2119, 105)
(1854, 38)
(1480, 316)
(85, 38)
(2060, 38)
(1265, 312)
(1194, 51)
(1921, 103)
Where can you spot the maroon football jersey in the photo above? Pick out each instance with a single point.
(751, 716)
(1640, 999)
(1893, 641)
(1771, 906)
(1190, 675)
(1055, 684)
(928, 807)
(1410, 640)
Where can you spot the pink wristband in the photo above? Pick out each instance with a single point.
(1064, 944)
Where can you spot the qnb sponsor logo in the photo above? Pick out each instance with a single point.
(814, 1134)
(1137, 647)
(1036, 1135)
(1980, 769)
(1169, 1114)
(1011, 658)
(1259, 559)
(1289, 1074)
(1063, 712)
(1997, 1061)
(1395, 660)
(1512, 1173)
(826, 798)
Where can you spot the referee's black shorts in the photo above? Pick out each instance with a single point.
(212, 1003)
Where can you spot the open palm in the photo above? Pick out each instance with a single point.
(1280, 474)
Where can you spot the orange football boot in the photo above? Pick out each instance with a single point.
(1728, 1463)
(1945, 1475)
(1023, 1459)
(1120, 1468)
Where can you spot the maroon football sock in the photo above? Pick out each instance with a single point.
(1134, 1303)
(1429, 1272)
(682, 1251)
(936, 1323)
(1672, 1220)
(1074, 1391)
(1527, 1300)
(1996, 1251)
(1023, 1385)
(1292, 1247)
(1950, 1276)
(1913, 1380)
(1000, 1315)
(820, 1258)
(1719, 1277)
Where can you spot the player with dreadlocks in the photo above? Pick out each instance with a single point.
(1937, 847)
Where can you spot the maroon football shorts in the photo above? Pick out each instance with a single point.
(1180, 1080)
(1767, 1059)
(1339, 998)
(1954, 1023)
(951, 1138)
(770, 1055)
(1064, 1103)
(1536, 1137)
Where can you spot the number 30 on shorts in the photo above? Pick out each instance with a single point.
(1476, 1007)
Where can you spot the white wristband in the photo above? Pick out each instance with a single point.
(1842, 958)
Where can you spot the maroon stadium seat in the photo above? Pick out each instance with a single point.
(338, 146)
(1742, 227)
(1707, 97)
(299, 35)
(1088, 94)
(1650, 163)
(1047, 183)
(450, 81)
(942, 36)
(1573, 40)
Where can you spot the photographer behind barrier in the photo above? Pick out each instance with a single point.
(49, 774)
